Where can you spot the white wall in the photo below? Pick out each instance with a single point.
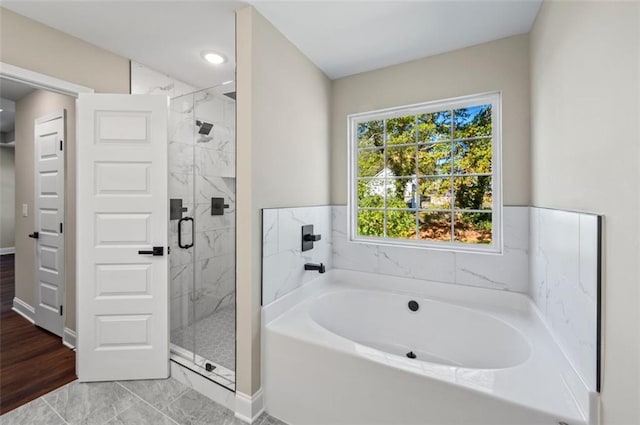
(282, 156)
(7, 197)
(585, 94)
(498, 65)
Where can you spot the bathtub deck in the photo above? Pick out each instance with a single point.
(542, 388)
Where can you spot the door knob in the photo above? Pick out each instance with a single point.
(34, 235)
(157, 251)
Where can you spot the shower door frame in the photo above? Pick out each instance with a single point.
(187, 354)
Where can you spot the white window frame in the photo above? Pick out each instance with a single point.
(493, 98)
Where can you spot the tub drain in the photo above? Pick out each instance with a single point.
(411, 355)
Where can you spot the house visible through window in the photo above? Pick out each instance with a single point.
(428, 174)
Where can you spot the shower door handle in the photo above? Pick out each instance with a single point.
(182, 220)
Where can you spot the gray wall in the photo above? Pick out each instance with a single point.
(35, 105)
(7, 197)
(37, 47)
(34, 46)
(283, 158)
(585, 65)
(499, 65)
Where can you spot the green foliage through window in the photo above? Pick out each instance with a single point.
(427, 176)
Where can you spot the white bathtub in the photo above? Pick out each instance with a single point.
(335, 352)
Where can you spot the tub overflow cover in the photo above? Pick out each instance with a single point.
(413, 305)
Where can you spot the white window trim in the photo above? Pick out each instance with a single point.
(495, 98)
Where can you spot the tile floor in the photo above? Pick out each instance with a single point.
(215, 337)
(152, 402)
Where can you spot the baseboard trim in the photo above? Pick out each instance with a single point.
(23, 309)
(249, 408)
(69, 338)
(8, 250)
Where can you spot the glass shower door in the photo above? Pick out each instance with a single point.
(182, 208)
(215, 233)
(202, 178)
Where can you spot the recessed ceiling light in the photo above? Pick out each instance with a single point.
(213, 57)
(1, 110)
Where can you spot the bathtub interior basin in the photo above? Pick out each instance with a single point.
(436, 332)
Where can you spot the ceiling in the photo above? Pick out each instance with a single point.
(10, 92)
(14, 90)
(349, 37)
(167, 36)
(341, 37)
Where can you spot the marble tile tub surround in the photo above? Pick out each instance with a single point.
(283, 260)
(150, 402)
(282, 257)
(509, 271)
(565, 280)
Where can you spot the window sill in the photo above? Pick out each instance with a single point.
(445, 247)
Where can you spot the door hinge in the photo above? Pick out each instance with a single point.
(60, 227)
(60, 144)
(60, 310)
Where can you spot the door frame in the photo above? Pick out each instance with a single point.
(46, 82)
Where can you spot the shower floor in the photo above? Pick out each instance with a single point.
(215, 337)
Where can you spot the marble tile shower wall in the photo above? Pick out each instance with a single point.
(145, 80)
(564, 282)
(215, 171)
(282, 257)
(202, 167)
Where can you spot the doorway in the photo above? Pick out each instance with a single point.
(37, 334)
(33, 357)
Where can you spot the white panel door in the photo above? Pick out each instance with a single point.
(49, 137)
(122, 214)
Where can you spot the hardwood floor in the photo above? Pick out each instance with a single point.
(33, 361)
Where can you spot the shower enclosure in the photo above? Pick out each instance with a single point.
(202, 192)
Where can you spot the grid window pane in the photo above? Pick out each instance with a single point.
(434, 127)
(401, 193)
(370, 134)
(427, 176)
(401, 130)
(472, 156)
(401, 224)
(435, 193)
(473, 121)
(371, 193)
(370, 162)
(473, 228)
(401, 161)
(435, 226)
(371, 223)
(473, 193)
(434, 159)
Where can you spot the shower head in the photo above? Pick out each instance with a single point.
(205, 127)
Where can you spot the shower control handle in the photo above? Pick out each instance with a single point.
(180, 244)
